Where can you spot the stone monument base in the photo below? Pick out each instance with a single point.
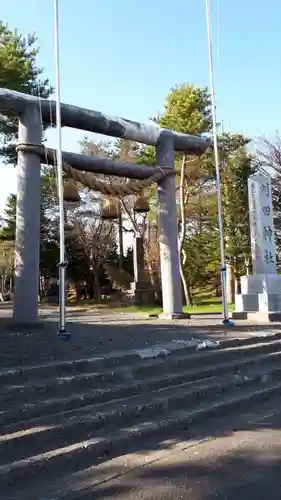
(260, 298)
(142, 293)
(171, 316)
(259, 317)
(260, 283)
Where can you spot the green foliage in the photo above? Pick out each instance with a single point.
(18, 71)
(147, 156)
(6, 260)
(187, 109)
(203, 258)
(49, 251)
(120, 279)
(230, 143)
(91, 147)
(236, 170)
(8, 229)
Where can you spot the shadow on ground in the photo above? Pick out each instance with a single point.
(101, 334)
(214, 463)
(234, 465)
(229, 478)
(233, 459)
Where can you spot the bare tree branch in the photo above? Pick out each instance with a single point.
(270, 155)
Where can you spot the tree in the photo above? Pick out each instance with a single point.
(96, 242)
(49, 251)
(187, 109)
(126, 151)
(192, 184)
(49, 248)
(8, 229)
(230, 143)
(152, 258)
(269, 155)
(6, 263)
(237, 167)
(18, 71)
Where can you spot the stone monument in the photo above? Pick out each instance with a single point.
(143, 292)
(260, 297)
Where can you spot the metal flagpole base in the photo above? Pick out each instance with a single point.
(227, 322)
(63, 334)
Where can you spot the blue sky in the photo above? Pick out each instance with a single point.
(122, 57)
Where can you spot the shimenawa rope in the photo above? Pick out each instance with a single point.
(89, 180)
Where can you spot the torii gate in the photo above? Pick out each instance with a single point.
(31, 111)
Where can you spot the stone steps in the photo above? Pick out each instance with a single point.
(29, 437)
(82, 454)
(61, 435)
(119, 359)
(22, 411)
(15, 386)
(80, 485)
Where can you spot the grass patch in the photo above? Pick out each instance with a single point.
(212, 308)
(205, 306)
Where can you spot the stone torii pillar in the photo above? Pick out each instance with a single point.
(169, 248)
(27, 243)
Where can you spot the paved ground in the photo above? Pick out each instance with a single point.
(241, 465)
(95, 333)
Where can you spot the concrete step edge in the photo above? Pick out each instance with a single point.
(143, 368)
(125, 410)
(81, 484)
(60, 405)
(48, 463)
(127, 357)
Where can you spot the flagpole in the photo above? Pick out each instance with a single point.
(226, 320)
(62, 333)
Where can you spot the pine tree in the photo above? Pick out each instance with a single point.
(19, 72)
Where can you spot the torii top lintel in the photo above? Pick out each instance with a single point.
(97, 122)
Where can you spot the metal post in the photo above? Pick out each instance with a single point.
(62, 334)
(27, 221)
(226, 320)
(121, 247)
(169, 249)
